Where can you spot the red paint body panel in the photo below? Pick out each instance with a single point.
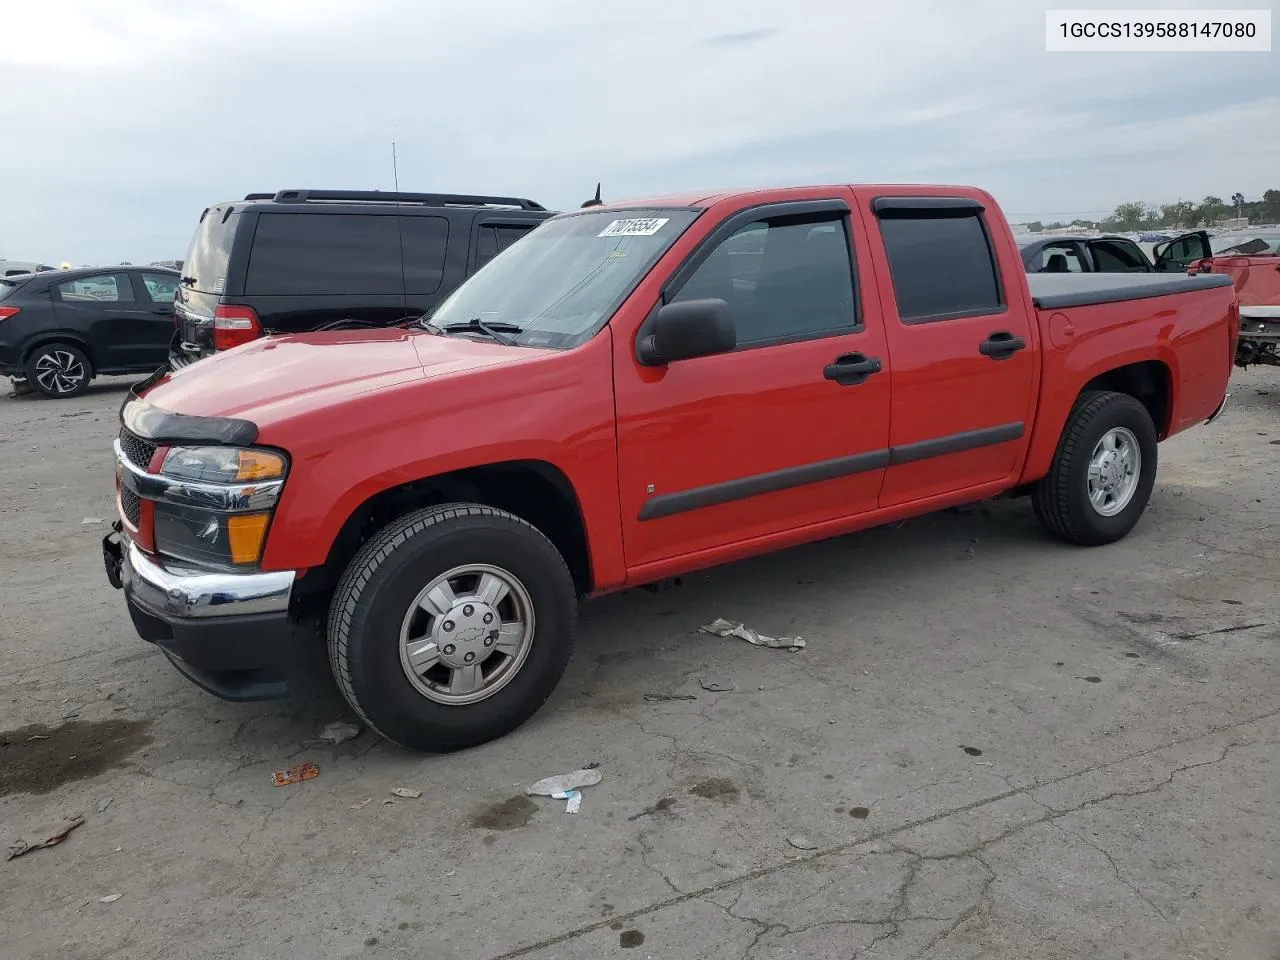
(1256, 279)
(362, 412)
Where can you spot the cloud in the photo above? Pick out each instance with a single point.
(149, 111)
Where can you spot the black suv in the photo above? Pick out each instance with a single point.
(61, 328)
(301, 260)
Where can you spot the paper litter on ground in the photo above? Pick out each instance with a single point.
(724, 628)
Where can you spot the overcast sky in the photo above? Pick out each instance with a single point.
(125, 118)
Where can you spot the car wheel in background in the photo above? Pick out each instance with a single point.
(58, 370)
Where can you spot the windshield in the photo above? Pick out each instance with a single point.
(563, 281)
(1246, 244)
(205, 268)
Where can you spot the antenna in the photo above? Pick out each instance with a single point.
(395, 172)
(594, 201)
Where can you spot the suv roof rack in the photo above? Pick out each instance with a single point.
(380, 196)
(259, 196)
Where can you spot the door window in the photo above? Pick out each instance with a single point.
(306, 254)
(160, 286)
(103, 288)
(941, 264)
(1118, 256)
(1060, 258)
(496, 237)
(784, 279)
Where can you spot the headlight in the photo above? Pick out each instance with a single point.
(219, 516)
(223, 464)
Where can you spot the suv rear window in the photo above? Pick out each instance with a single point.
(300, 254)
(205, 267)
(941, 264)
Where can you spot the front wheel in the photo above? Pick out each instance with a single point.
(452, 626)
(58, 370)
(1102, 473)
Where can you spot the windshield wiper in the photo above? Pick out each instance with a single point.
(495, 331)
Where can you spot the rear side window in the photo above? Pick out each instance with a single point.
(7, 287)
(302, 254)
(1114, 257)
(941, 263)
(103, 288)
(426, 240)
(205, 268)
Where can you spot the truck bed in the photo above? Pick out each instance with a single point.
(1053, 291)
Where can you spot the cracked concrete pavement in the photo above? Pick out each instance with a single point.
(993, 746)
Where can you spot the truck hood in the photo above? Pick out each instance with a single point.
(275, 378)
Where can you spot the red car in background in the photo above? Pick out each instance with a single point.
(1252, 260)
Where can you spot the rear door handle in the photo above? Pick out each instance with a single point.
(1001, 345)
(849, 369)
(165, 311)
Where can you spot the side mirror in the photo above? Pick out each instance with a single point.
(691, 328)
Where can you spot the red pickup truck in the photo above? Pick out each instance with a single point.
(632, 392)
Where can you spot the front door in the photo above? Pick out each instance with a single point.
(788, 430)
(1179, 253)
(964, 380)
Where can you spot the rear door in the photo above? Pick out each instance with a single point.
(159, 290)
(425, 244)
(961, 348)
(114, 319)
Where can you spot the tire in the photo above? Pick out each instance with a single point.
(375, 611)
(1063, 500)
(58, 371)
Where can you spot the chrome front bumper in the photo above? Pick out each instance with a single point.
(175, 591)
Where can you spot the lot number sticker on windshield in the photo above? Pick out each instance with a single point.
(639, 227)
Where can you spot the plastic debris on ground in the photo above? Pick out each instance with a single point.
(111, 898)
(666, 697)
(102, 807)
(406, 793)
(801, 842)
(339, 733)
(566, 786)
(573, 796)
(90, 521)
(715, 686)
(724, 628)
(295, 774)
(48, 836)
(362, 804)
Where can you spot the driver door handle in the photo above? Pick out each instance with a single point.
(850, 369)
(1001, 345)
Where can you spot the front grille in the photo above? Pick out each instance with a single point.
(131, 506)
(138, 451)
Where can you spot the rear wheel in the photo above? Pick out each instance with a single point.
(58, 370)
(452, 626)
(1102, 473)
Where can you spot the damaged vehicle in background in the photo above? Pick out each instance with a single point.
(1252, 260)
(571, 422)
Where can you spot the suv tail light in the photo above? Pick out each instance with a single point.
(233, 326)
(7, 312)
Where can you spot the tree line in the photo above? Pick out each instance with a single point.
(1184, 214)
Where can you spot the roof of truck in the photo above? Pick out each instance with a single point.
(707, 198)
